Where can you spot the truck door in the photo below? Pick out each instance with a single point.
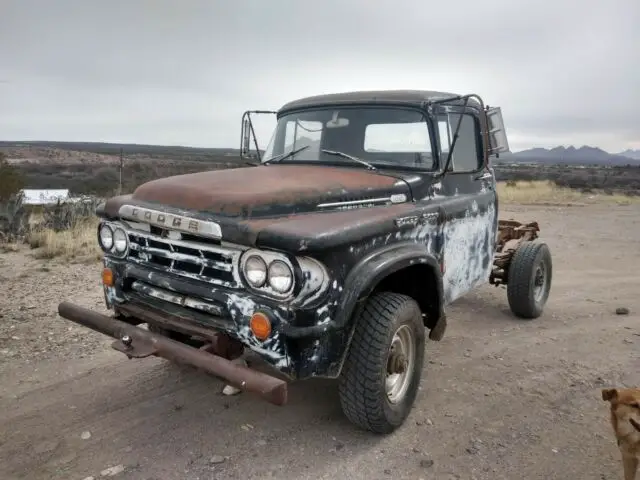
(469, 204)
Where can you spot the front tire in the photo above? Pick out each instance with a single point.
(383, 368)
(529, 281)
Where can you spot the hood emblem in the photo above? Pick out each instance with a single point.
(171, 221)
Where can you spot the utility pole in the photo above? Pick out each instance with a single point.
(121, 167)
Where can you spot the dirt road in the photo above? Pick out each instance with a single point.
(502, 398)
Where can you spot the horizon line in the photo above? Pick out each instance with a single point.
(565, 146)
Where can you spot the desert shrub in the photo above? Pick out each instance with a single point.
(65, 229)
(13, 224)
(76, 243)
(11, 181)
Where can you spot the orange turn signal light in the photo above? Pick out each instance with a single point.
(107, 277)
(260, 325)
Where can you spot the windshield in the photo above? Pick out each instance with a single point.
(380, 136)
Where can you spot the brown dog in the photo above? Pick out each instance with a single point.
(625, 419)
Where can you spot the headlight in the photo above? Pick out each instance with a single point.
(105, 238)
(120, 241)
(255, 271)
(280, 276)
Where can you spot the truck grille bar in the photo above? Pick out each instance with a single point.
(198, 261)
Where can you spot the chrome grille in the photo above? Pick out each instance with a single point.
(198, 261)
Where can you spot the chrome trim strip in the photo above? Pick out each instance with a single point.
(395, 198)
(225, 251)
(171, 221)
(354, 202)
(171, 253)
(182, 257)
(181, 300)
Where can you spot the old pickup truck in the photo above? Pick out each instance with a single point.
(331, 253)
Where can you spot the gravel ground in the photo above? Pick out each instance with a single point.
(501, 398)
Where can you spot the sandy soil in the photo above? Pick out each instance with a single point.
(501, 398)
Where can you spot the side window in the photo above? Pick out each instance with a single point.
(409, 142)
(300, 133)
(466, 155)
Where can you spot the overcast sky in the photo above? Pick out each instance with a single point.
(183, 71)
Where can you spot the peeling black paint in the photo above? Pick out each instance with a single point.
(446, 227)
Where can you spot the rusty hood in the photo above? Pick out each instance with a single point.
(290, 207)
(269, 191)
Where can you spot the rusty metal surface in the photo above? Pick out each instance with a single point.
(326, 230)
(183, 325)
(509, 230)
(237, 191)
(511, 234)
(136, 342)
(113, 204)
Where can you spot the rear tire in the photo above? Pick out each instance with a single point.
(370, 396)
(529, 281)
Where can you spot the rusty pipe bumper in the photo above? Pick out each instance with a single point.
(136, 342)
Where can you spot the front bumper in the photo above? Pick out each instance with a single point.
(297, 335)
(136, 342)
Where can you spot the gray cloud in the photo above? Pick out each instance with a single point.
(163, 71)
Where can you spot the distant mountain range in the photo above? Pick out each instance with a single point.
(634, 154)
(584, 155)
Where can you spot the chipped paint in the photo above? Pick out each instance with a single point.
(468, 251)
(273, 350)
(284, 210)
(111, 296)
(291, 209)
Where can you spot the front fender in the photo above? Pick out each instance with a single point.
(370, 270)
(364, 277)
(327, 356)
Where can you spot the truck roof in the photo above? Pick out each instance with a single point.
(406, 97)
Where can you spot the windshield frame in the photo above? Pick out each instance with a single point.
(427, 117)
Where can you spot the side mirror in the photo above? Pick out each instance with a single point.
(247, 132)
(498, 142)
(246, 137)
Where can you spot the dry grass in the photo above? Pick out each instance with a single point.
(547, 192)
(77, 243)
(9, 247)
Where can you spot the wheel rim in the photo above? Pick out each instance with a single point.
(539, 282)
(400, 364)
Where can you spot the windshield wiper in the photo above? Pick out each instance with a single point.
(350, 157)
(282, 156)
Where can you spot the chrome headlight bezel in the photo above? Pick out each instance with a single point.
(259, 265)
(269, 257)
(115, 231)
(285, 272)
(105, 227)
(309, 277)
(123, 242)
